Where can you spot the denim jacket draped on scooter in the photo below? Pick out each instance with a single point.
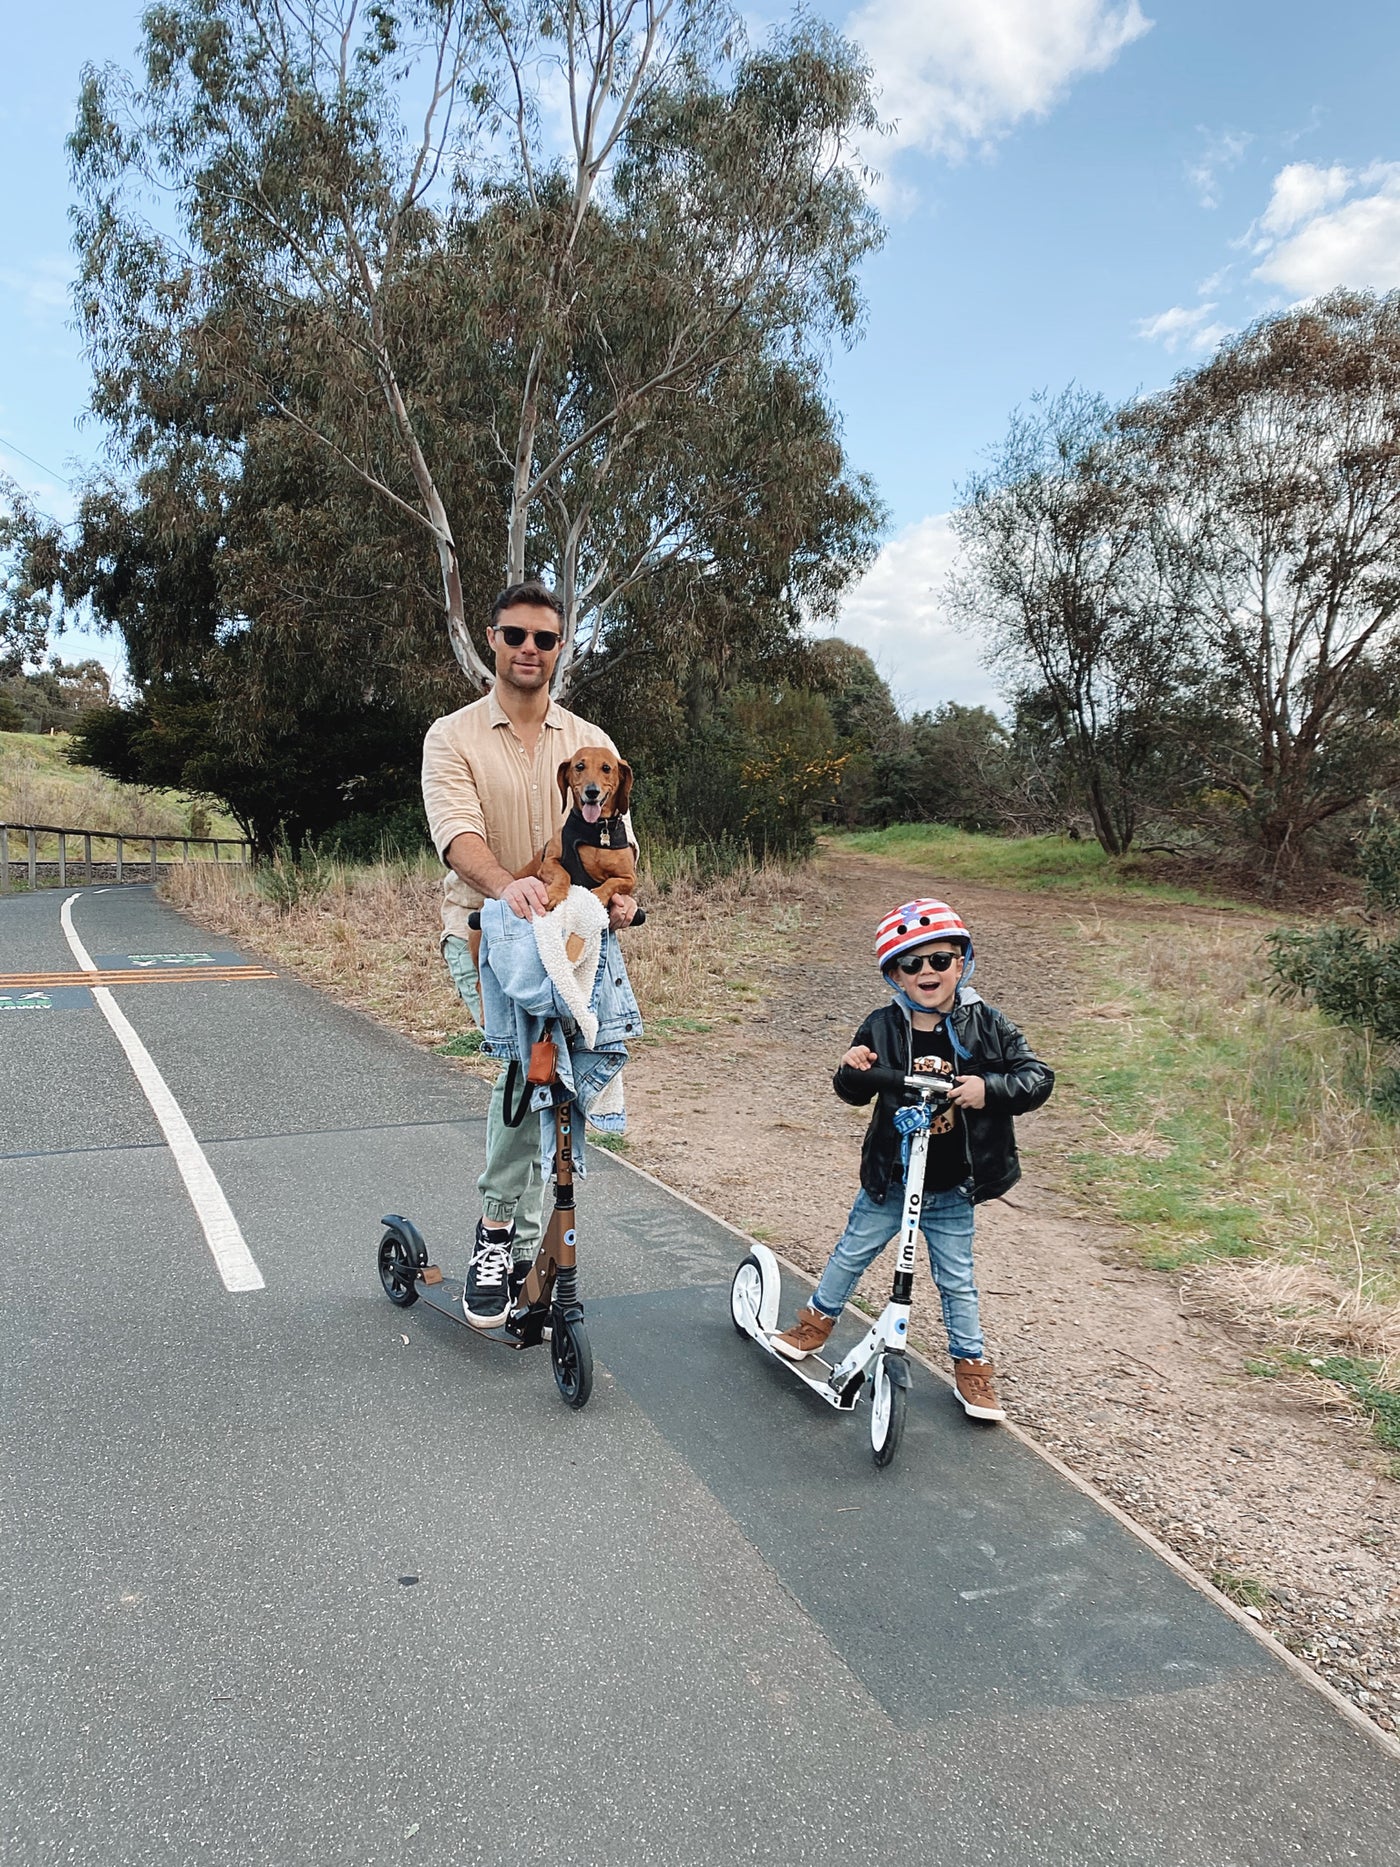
(518, 998)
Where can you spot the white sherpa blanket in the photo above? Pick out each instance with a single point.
(582, 915)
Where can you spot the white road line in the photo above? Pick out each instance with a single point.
(232, 1258)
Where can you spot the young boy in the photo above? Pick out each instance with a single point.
(937, 1024)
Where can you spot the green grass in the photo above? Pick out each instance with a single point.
(1054, 864)
(610, 1143)
(1223, 1123)
(661, 1028)
(1244, 1590)
(464, 1044)
(1364, 1381)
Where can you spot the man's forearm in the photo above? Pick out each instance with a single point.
(467, 855)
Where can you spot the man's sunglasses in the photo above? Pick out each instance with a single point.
(914, 963)
(546, 640)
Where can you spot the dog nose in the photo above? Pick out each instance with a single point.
(590, 791)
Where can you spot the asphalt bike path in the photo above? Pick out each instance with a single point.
(284, 1587)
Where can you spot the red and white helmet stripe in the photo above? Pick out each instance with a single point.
(913, 924)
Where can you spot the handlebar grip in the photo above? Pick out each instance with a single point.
(474, 919)
(896, 1082)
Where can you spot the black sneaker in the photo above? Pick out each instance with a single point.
(486, 1293)
(519, 1271)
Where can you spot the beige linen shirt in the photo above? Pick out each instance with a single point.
(478, 776)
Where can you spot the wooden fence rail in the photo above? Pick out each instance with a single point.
(30, 863)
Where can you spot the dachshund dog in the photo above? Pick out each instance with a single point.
(592, 849)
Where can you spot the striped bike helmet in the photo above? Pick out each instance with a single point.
(915, 923)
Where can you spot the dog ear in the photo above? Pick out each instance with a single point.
(624, 788)
(563, 776)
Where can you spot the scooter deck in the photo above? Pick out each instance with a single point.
(815, 1371)
(445, 1297)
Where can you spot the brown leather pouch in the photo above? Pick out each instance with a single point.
(544, 1060)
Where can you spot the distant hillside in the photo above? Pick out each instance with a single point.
(37, 785)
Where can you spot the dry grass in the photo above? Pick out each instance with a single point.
(1303, 1306)
(370, 939)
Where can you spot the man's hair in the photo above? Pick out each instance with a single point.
(531, 593)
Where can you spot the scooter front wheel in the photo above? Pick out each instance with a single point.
(889, 1402)
(572, 1356)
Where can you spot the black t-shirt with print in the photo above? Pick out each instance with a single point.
(947, 1147)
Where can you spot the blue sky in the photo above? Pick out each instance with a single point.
(1086, 190)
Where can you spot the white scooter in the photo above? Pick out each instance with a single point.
(882, 1353)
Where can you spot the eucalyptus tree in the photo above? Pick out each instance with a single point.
(1063, 577)
(28, 571)
(582, 246)
(1274, 474)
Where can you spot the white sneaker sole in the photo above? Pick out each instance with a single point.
(790, 1353)
(481, 1321)
(980, 1413)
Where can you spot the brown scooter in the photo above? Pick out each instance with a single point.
(546, 1306)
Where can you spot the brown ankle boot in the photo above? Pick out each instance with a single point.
(975, 1390)
(806, 1335)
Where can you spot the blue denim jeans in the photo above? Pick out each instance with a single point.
(946, 1223)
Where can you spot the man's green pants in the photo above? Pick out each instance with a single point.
(510, 1185)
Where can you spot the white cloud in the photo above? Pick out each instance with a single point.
(955, 73)
(897, 613)
(1300, 191)
(1222, 150)
(1183, 327)
(1356, 243)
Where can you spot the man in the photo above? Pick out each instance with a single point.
(492, 797)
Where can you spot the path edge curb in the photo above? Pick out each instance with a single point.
(1353, 1714)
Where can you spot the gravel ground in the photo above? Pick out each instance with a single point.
(1272, 1490)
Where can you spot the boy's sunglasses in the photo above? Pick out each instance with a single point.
(546, 640)
(914, 963)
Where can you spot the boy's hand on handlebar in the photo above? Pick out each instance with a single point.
(968, 1092)
(620, 911)
(526, 898)
(860, 1057)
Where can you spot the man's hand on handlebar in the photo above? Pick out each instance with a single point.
(860, 1057)
(621, 910)
(968, 1092)
(526, 898)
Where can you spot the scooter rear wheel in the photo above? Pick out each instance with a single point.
(746, 1295)
(572, 1357)
(889, 1402)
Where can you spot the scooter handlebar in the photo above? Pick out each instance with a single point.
(895, 1081)
(474, 919)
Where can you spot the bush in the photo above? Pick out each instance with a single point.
(290, 878)
(397, 833)
(1353, 980)
(1380, 865)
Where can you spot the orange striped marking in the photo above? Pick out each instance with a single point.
(35, 981)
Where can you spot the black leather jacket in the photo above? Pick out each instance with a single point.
(1016, 1079)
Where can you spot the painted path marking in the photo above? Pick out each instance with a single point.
(47, 998)
(232, 1258)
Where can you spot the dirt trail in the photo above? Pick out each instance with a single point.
(1096, 1356)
